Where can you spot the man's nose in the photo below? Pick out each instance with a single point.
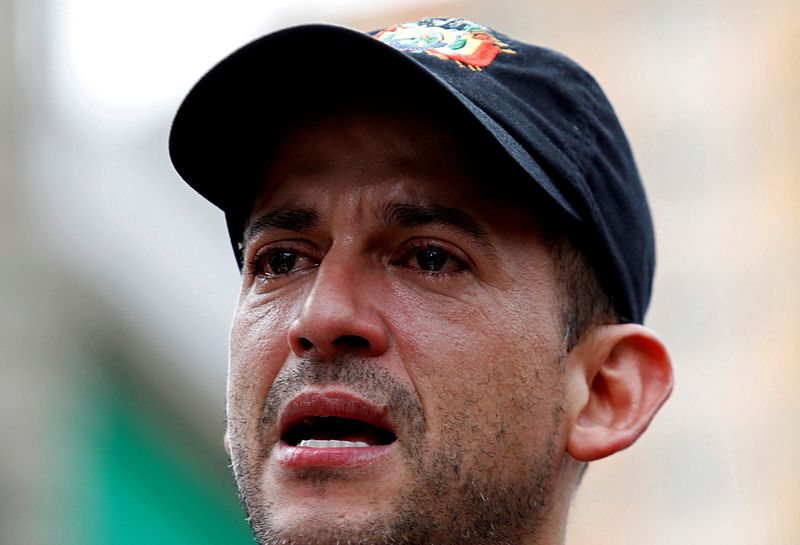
(339, 314)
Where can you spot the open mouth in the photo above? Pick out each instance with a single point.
(334, 420)
(336, 432)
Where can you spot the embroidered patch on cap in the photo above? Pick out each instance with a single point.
(467, 43)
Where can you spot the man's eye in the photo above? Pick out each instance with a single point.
(431, 259)
(281, 262)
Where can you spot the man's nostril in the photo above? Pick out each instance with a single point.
(351, 341)
(305, 344)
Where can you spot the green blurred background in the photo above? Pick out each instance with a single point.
(117, 285)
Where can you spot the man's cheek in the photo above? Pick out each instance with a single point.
(259, 335)
(258, 350)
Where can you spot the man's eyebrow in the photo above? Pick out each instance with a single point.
(414, 215)
(290, 218)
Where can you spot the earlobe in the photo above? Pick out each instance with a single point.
(621, 375)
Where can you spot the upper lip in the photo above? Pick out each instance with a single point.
(333, 403)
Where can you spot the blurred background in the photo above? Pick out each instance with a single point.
(117, 284)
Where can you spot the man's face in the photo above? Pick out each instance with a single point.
(395, 365)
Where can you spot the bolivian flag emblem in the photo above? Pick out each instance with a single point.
(467, 43)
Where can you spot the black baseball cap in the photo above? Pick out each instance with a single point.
(541, 109)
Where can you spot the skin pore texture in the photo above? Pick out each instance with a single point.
(382, 272)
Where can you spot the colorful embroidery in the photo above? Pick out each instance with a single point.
(467, 43)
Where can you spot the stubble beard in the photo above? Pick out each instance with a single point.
(452, 500)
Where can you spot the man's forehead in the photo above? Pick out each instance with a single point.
(397, 168)
(403, 135)
(375, 154)
(408, 202)
(395, 213)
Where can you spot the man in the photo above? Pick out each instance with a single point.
(446, 259)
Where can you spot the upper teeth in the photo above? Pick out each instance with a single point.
(330, 443)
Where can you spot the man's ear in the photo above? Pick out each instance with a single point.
(619, 377)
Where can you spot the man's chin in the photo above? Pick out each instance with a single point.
(330, 525)
(323, 523)
(330, 508)
(439, 505)
(322, 506)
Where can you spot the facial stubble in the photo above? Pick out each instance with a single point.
(460, 490)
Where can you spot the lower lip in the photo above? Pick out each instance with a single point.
(316, 458)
